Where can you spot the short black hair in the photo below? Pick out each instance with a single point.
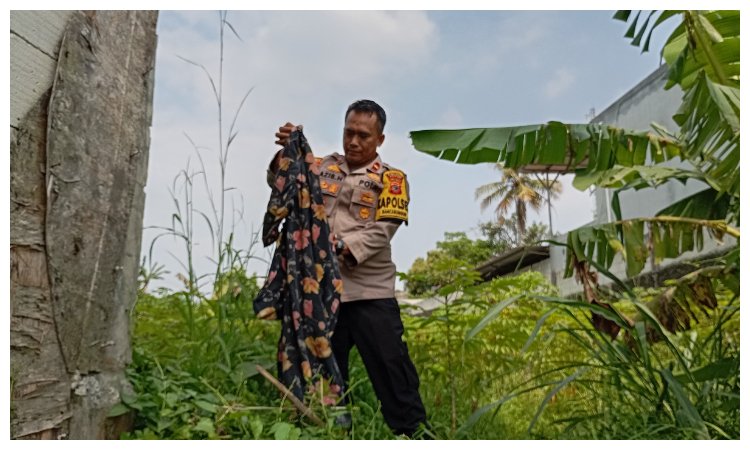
(368, 106)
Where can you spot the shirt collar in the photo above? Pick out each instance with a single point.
(373, 166)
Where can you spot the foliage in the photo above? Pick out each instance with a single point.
(191, 361)
(703, 58)
(194, 375)
(686, 385)
(449, 364)
(703, 54)
(583, 148)
(425, 274)
(659, 380)
(509, 347)
(440, 337)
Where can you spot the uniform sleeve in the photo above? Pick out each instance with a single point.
(368, 241)
(393, 202)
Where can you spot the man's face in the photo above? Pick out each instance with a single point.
(362, 137)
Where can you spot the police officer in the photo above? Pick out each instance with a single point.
(366, 200)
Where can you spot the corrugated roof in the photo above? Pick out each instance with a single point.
(512, 260)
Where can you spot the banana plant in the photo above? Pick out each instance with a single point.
(703, 58)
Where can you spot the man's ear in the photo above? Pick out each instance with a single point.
(381, 139)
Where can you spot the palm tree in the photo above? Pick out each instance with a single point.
(517, 190)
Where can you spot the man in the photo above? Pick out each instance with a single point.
(366, 200)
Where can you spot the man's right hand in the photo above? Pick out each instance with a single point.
(284, 132)
(282, 138)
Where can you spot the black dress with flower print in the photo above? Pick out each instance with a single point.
(303, 287)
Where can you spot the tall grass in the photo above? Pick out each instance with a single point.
(534, 367)
(187, 216)
(685, 385)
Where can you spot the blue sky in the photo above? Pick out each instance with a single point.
(434, 69)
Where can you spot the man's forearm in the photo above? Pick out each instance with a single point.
(364, 243)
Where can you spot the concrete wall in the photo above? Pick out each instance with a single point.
(34, 43)
(40, 394)
(643, 105)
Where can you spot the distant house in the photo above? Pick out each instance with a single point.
(637, 109)
(515, 260)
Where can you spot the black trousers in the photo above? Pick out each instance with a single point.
(375, 327)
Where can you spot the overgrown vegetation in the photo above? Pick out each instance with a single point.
(509, 358)
(702, 55)
(194, 372)
(662, 359)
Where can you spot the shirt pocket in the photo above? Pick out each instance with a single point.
(363, 204)
(330, 190)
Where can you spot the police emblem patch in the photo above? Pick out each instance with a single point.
(364, 213)
(394, 183)
(367, 197)
(393, 202)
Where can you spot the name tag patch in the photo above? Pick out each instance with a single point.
(367, 184)
(332, 176)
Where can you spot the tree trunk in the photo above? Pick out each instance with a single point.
(78, 169)
(521, 217)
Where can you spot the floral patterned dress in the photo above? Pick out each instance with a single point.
(303, 288)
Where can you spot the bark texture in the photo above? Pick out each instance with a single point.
(78, 169)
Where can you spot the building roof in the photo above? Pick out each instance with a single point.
(512, 260)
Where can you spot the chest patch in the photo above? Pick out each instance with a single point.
(393, 202)
(331, 175)
(327, 186)
(367, 197)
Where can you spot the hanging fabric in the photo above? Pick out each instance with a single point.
(303, 288)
